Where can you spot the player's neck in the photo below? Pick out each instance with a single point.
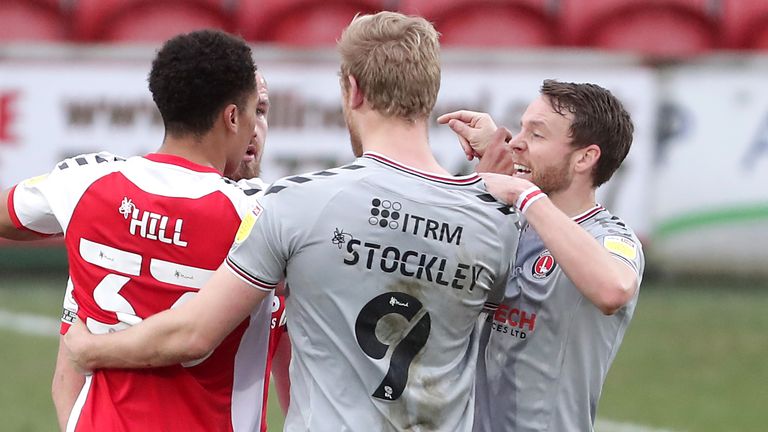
(400, 140)
(574, 200)
(193, 150)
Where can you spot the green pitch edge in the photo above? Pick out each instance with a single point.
(32, 259)
(727, 216)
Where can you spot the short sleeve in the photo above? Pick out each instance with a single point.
(36, 204)
(256, 256)
(30, 209)
(621, 242)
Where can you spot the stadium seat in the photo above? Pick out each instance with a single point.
(659, 28)
(32, 20)
(299, 22)
(489, 23)
(146, 20)
(745, 23)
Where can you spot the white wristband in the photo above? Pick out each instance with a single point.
(528, 197)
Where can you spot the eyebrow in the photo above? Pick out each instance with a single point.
(536, 123)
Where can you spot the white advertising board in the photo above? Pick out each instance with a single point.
(710, 206)
(51, 110)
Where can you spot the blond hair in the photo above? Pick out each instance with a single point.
(396, 62)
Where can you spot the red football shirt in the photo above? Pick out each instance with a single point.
(142, 236)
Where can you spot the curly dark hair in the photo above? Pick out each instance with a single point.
(197, 74)
(598, 118)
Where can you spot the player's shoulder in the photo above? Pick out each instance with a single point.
(242, 194)
(316, 184)
(83, 168)
(88, 161)
(617, 237)
(603, 223)
(479, 205)
(490, 205)
(248, 187)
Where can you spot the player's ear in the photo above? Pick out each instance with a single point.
(586, 158)
(355, 95)
(229, 117)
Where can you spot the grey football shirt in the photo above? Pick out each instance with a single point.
(388, 270)
(549, 347)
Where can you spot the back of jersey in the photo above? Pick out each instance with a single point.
(388, 270)
(139, 240)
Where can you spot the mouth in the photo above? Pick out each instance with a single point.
(521, 170)
(250, 153)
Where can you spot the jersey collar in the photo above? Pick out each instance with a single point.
(460, 180)
(588, 214)
(180, 161)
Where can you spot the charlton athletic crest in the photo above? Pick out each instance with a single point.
(544, 265)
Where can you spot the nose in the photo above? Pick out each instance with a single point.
(517, 143)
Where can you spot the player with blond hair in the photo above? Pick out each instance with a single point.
(389, 260)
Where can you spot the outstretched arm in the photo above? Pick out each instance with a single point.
(66, 385)
(8, 229)
(177, 335)
(604, 279)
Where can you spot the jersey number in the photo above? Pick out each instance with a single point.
(107, 296)
(419, 324)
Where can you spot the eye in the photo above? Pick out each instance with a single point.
(536, 135)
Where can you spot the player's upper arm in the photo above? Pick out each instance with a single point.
(260, 251)
(28, 211)
(224, 302)
(629, 263)
(626, 249)
(10, 225)
(7, 228)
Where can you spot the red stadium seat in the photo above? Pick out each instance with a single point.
(146, 20)
(660, 28)
(501, 23)
(299, 22)
(32, 20)
(745, 23)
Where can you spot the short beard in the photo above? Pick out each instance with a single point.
(554, 178)
(247, 170)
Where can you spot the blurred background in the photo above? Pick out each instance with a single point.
(693, 74)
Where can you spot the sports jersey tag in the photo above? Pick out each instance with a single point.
(35, 180)
(248, 222)
(621, 246)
